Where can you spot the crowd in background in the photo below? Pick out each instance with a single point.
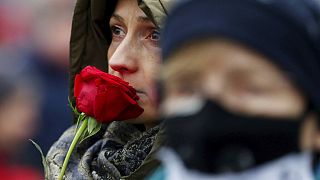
(34, 41)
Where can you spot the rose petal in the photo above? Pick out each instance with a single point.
(104, 96)
(86, 97)
(77, 85)
(108, 105)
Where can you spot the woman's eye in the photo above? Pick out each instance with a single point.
(117, 31)
(154, 36)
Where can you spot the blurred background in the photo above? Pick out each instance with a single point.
(34, 50)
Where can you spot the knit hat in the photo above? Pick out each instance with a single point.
(286, 31)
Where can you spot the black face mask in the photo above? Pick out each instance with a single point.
(216, 141)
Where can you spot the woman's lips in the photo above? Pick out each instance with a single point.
(141, 94)
(140, 91)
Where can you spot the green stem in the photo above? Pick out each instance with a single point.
(81, 130)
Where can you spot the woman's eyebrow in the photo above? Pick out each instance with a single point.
(144, 19)
(118, 17)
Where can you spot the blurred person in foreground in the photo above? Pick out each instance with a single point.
(122, 36)
(19, 103)
(242, 90)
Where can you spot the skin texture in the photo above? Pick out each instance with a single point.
(238, 78)
(134, 54)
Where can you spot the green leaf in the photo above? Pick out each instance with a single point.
(84, 136)
(73, 108)
(44, 161)
(81, 118)
(96, 129)
(85, 132)
(92, 124)
(93, 132)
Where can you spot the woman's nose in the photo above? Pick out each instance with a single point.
(124, 60)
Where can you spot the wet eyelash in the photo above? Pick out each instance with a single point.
(113, 28)
(152, 33)
(116, 31)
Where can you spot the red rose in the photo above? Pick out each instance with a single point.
(104, 96)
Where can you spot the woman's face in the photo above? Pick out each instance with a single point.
(134, 54)
(237, 78)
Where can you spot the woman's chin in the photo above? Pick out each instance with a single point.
(149, 116)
